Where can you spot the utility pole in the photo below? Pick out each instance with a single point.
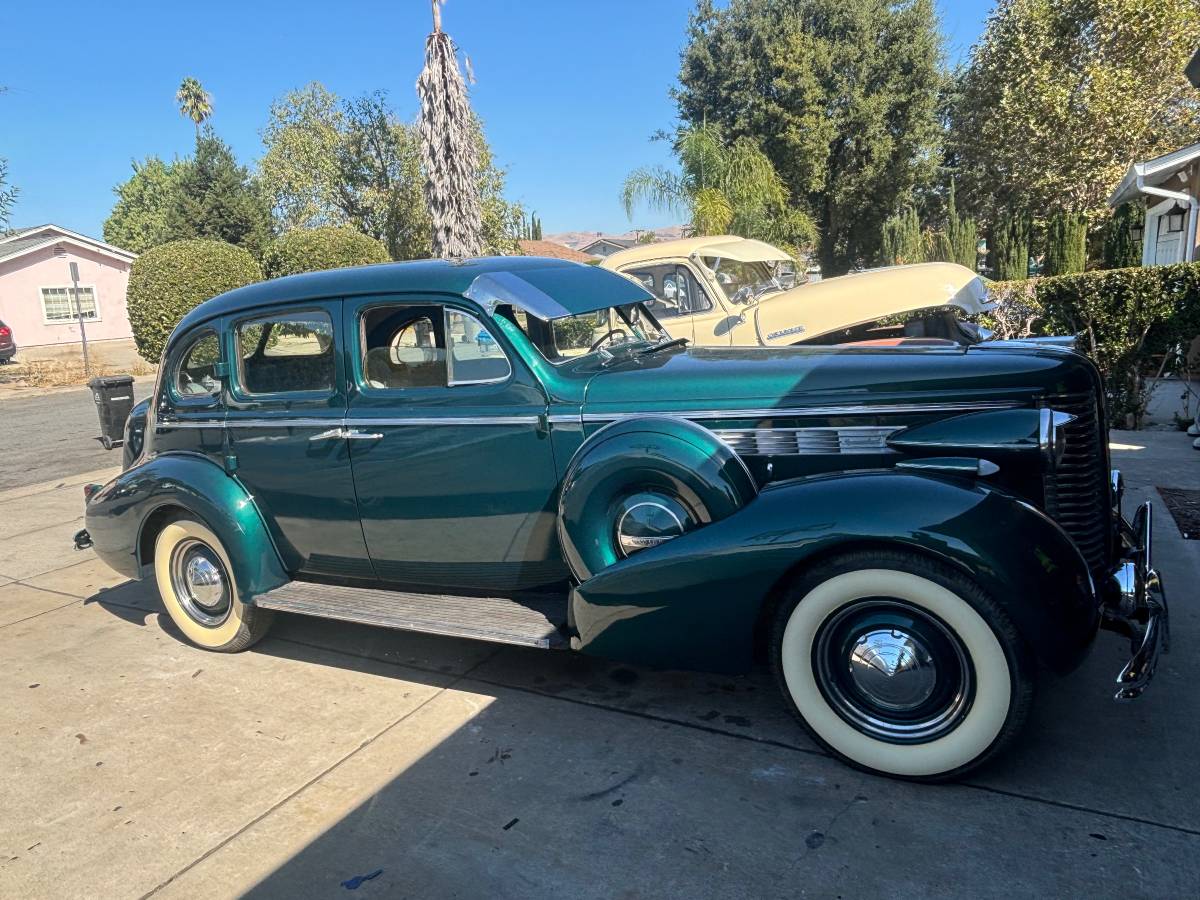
(79, 315)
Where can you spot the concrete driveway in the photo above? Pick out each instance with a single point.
(136, 765)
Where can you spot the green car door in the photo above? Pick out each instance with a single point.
(286, 401)
(452, 459)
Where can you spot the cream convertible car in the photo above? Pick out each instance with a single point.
(722, 291)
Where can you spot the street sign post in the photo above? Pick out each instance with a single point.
(79, 315)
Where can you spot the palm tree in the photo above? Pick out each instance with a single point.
(195, 103)
(449, 149)
(722, 188)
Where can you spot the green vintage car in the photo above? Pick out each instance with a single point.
(514, 450)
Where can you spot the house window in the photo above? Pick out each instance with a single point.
(58, 304)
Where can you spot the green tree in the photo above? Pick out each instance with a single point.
(1008, 249)
(195, 103)
(962, 234)
(168, 281)
(1058, 97)
(901, 241)
(842, 96)
(214, 197)
(1066, 244)
(722, 188)
(1120, 249)
(333, 162)
(138, 221)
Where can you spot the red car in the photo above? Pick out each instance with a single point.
(8, 347)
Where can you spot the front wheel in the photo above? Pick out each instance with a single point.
(195, 581)
(901, 666)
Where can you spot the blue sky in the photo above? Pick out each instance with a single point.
(569, 92)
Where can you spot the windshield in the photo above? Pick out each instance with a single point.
(607, 330)
(743, 282)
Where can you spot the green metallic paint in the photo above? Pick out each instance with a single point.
(998, 432)
(118, 512)
(435, 510)
(674, 456)
(695, 601)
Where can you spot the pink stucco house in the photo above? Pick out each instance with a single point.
(35, 291)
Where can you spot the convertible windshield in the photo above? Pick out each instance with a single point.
(567, 337)
(743, 282)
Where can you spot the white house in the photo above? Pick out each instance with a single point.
(1169, 185)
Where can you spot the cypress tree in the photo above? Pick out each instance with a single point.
(901, 239)
(1066, 243)
(1009, 249)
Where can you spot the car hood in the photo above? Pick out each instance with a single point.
(811, 310)
(740, 379)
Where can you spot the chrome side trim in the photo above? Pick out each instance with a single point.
(782, 412)
(807, 441)
(445, 420)
(282, 423)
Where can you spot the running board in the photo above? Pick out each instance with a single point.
(529, 623)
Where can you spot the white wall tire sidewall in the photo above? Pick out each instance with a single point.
(993, 678)
(210, 638)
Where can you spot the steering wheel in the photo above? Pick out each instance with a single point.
(744, 295)
(611, 333)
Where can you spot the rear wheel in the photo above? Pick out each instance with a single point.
(901, 666)
(195, 581)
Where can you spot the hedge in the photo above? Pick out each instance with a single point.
(327, 247)
(1124, 319)
(169, 280)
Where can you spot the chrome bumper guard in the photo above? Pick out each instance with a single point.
(1138, 606)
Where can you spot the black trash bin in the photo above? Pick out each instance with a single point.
(114, 399)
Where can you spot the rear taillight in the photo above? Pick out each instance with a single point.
(5, 331)
(90, 490)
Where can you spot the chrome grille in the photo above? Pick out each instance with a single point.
(807, 441)
(1077, 489)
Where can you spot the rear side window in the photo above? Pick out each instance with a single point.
(196, 374)
(286, 353)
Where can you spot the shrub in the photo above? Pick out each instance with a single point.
(1123, 319)
(168, 281)
(327, 247)
(1017, 314)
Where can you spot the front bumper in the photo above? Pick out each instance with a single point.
(1137, 605)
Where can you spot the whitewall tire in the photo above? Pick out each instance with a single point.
(197, 586)
(901, 666)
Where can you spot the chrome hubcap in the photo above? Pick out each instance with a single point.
(893, 671)
(893, 668)
(200, 582)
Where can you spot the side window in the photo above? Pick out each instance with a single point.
(675, 290)
(475, 357)
(285, 353)
(195, 375)
(403, 347)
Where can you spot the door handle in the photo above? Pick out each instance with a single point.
(331, 433)
(362, 436)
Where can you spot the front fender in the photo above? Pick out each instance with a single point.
(695, 601)
(118, 513)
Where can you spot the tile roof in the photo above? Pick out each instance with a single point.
(551, 249)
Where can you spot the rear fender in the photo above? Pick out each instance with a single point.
(118, 514)
(695, 601)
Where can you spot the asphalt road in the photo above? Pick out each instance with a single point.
(52, 435)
